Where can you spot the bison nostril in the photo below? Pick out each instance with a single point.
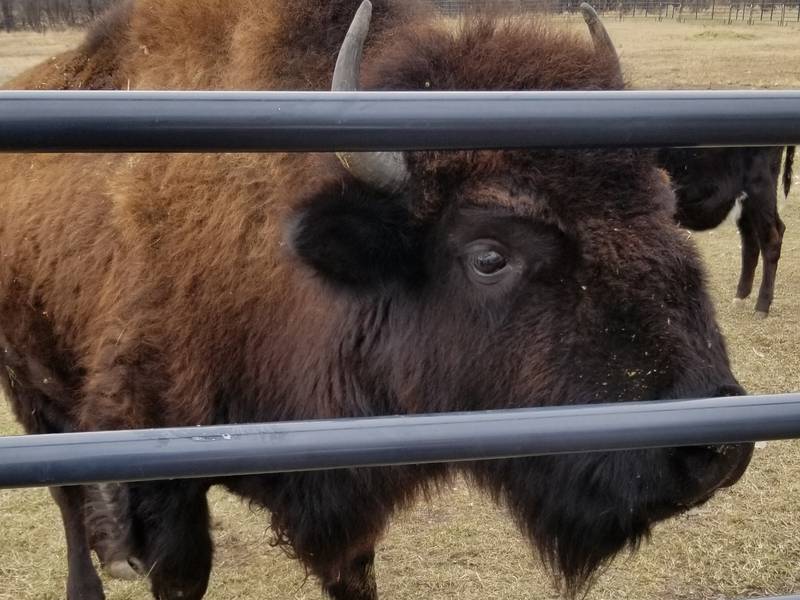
(725, 450)
(714, 467)
(740, 459)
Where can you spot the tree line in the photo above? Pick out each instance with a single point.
(40, 15)
(456, 7)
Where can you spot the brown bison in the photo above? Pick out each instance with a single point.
(166, 290)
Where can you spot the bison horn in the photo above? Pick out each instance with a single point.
(384, 170)
(600, 38)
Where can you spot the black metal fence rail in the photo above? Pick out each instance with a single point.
(325, 121)
(74, 458)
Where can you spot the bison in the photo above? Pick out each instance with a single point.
(173, 290)
(710, 182)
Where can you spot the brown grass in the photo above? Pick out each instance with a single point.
(743, 543)
(19, 51)
(695, 55)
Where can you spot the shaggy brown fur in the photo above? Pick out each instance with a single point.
(161, 290)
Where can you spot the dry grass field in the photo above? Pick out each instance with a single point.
(459, 546)
(19, 51)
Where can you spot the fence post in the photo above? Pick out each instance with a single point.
(783, 13)
(680, 13)
(713, 6)
(696, 9)
(750, 18)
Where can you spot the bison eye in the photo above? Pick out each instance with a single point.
(489, 262)
(486, 263)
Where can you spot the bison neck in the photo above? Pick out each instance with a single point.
(313, 356)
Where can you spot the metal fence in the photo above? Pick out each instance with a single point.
(49, 121)
(97, 121)
(776, 12)
(355, 121)
(78, 458)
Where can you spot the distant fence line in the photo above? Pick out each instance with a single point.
(40, 15)
(776, 12)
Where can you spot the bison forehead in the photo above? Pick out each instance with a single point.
(486, 53)
(563, 188)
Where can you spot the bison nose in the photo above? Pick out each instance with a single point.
(715, 467)
(739, 456)
(712, 467)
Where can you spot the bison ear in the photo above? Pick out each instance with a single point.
(353, 235)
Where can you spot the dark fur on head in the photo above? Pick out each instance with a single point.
(354, 237)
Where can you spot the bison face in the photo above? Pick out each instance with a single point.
(479, 280)
(520, 279)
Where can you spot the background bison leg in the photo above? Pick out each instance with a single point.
(771, 239)
(761, 207)
(171, 528)
(750, 253)
(83, 582)
(760, 212)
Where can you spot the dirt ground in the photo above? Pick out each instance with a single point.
(744, 543)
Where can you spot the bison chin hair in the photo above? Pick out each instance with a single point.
(579, 511)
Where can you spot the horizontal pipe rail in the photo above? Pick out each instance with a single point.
(116, 121)
(139, 455)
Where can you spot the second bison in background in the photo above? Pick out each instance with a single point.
(710, 182)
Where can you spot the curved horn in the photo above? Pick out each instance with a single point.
(384, 170)
(600, 38)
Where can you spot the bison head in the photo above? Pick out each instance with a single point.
(520, 278)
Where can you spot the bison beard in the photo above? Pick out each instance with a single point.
(167, 290)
